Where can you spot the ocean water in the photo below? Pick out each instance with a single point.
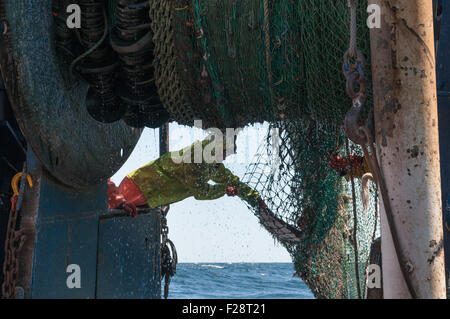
(237, 281)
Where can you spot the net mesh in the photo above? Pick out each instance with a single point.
(231, 63)
(240, 62)
(295, 181)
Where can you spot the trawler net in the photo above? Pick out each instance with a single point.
(292, 174)
(231, 63)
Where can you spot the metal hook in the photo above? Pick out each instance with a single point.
(15, 182)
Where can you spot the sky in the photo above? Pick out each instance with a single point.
(223, 230)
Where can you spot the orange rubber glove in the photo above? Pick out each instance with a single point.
(127, 196)
(131, 192)
(231, 191)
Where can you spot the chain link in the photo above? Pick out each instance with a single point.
(353, 68)
(169, 257)
(15, 239)
(353, 5)
(354, 61)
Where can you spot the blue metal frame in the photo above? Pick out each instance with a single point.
(443, 86)
(118, 255)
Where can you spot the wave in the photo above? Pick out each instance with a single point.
(238, 280)
(213, 266)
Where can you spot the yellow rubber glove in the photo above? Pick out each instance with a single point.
(168, 180)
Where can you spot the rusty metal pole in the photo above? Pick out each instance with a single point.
(406, 122)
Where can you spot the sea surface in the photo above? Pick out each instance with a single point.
(237, 281)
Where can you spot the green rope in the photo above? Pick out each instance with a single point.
(91, 49)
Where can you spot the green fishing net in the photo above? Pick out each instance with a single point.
(233, 63)
(292, 175)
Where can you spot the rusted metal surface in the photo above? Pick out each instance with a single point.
(50, 105)
(406, 124)
(28, 213)
(16, 235)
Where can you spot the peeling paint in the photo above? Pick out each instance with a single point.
(437, 251)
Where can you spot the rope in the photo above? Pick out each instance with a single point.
(93, 48)
(267, 44)
(355, 225)
(401, 258)
(353, 5)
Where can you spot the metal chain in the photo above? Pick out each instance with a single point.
(353, 69)
(353, 5)
(169, 257)
(354, 62)
(15, 240)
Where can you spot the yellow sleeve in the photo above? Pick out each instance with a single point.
(221, 174)
(209, 192)
(195, 177)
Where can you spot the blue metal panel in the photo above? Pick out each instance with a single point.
(66, 233)
(118, 255)
(443, 85)
(128, 257)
